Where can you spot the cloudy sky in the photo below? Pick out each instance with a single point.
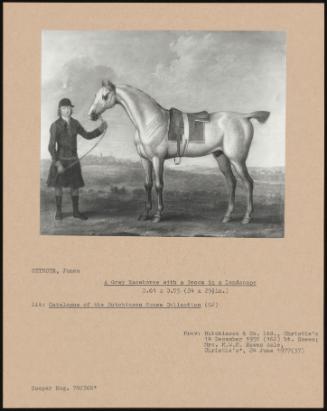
(190, 70)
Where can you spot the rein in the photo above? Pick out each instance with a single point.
(88, 151)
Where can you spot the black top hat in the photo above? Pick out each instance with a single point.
(65, 102)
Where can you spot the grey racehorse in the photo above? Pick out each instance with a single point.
(227, 136)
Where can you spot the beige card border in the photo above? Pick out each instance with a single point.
(290, 269)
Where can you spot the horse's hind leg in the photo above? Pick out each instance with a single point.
(225, 167)
(147, 165)
(242, 171)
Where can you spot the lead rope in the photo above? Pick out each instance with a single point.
(92, 148)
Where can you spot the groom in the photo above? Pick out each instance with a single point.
(65, 169)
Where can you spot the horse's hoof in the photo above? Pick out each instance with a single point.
(156, 219)
(246, 220)
(226, 219)
(143, 217)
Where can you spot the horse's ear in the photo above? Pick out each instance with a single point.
(112, 86)
(108, 84)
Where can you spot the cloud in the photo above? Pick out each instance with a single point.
(193, 71)
(78, 79)
(188, 70)
(218, 71)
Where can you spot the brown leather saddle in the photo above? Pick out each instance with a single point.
(195, 123)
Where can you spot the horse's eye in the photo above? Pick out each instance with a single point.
(105, 97)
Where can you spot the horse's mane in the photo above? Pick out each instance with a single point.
(132, 88)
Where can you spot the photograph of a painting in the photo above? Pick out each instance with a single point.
(163, 133)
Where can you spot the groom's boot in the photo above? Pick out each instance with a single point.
(59, 215)
(76, 212)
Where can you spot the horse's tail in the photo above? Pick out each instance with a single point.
(261, 116)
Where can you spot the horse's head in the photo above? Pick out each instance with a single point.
(105, 98)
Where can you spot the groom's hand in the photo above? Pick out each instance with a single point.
(60, 167)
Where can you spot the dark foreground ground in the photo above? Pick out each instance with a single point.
(195, 203)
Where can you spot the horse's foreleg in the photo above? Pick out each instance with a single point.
(158, 173)
(147, 165)
(242, 171)
(225, 167)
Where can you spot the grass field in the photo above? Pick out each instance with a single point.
(195, 202)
